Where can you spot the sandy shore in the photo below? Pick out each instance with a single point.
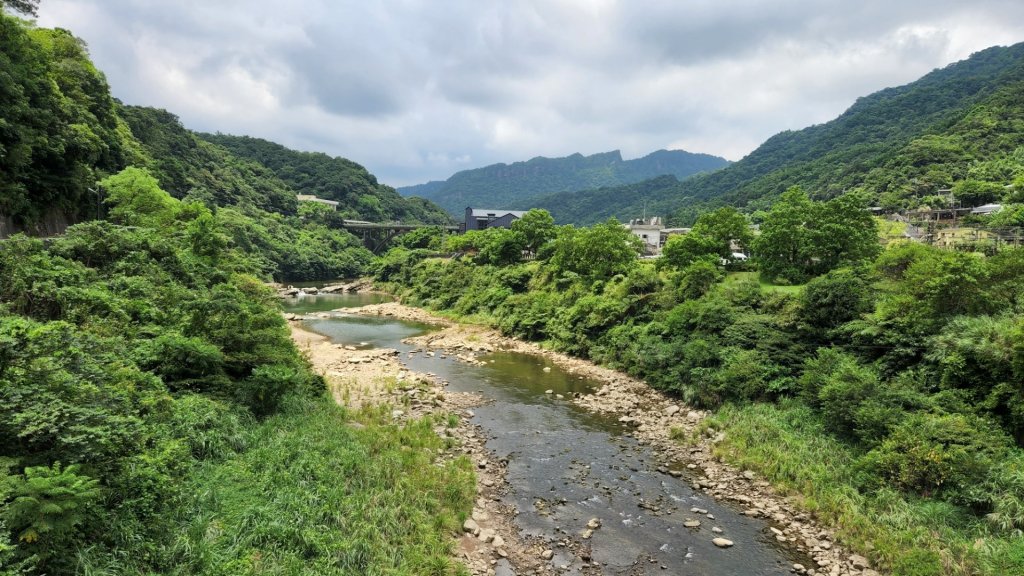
(656, 419)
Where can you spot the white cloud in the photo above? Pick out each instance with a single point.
(416, 90)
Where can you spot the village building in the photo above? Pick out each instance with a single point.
(648, 230)
(482, 218)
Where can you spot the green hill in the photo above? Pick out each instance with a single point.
(186, 165)
(514, 185)
(316, 173)
(961, 123)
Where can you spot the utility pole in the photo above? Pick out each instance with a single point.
(96, 192)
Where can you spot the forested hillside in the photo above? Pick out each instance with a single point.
(361, 196)
(62, 133)
(188, 166)
(59, 128)
(623, 203)
(155, 416)
(515, 185)
(961, 123)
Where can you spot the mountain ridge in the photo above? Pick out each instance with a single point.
(504, 185)
(897, 145)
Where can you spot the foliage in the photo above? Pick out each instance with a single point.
(99, 332)
(136, 199)
(49, 502)
(598, 252)
(902, 369)
(58, 127)
(801, 239)
(360, 195)
(362, 496)
(537, 227)
(189, 167)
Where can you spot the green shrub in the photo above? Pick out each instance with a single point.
(942, 455)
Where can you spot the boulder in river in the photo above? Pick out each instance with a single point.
(722, 542)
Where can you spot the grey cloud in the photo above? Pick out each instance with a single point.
(416, 90)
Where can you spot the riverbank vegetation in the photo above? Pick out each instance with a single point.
(156, 417)
(881, 387)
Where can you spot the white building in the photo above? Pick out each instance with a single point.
(649, 232)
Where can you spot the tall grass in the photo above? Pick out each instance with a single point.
(315, 494)
(907, 536)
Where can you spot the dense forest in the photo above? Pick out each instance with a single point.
(516, 185)
(888, 382)
(899, 146)
(151, 398)
(361, 196)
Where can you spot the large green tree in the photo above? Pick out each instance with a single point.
(801, 239)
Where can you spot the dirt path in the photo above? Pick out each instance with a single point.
(656, 419)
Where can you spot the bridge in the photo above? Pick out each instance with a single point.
(376, 235)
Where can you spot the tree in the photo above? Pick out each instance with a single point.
(598, 252)
(50, 502)
(136, 199)
(976, 192)
(800, 238)
(781, 249)
(725, 226)
(683, 249)
(834, 299)
(538, 227)
(29, 7)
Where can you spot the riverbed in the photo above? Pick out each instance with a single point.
(567, 467)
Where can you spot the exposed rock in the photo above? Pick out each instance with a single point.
(691, 523)
(859, 562)
(722, 542)
(470, 526)
(547, 554)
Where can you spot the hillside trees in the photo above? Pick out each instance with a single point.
(801, 239)
(711, 238)
(597, 253)
(58, 126)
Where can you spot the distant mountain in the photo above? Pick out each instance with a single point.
(333, 178)
(510, 185)
(898, 146)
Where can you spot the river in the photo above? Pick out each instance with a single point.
(567, 465)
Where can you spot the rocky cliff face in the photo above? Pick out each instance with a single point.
(53, 222)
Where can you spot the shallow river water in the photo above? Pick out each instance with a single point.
(567, 465)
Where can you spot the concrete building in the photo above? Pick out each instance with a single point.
(648, 230)
(481, 218)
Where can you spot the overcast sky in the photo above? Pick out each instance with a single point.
(416, 90)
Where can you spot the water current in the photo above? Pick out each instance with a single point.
(567, 465)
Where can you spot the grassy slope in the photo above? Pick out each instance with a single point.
(909, 536)
(323, 490)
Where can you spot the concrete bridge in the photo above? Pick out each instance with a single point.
(376, 235)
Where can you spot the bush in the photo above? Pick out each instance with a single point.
(943, 455)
